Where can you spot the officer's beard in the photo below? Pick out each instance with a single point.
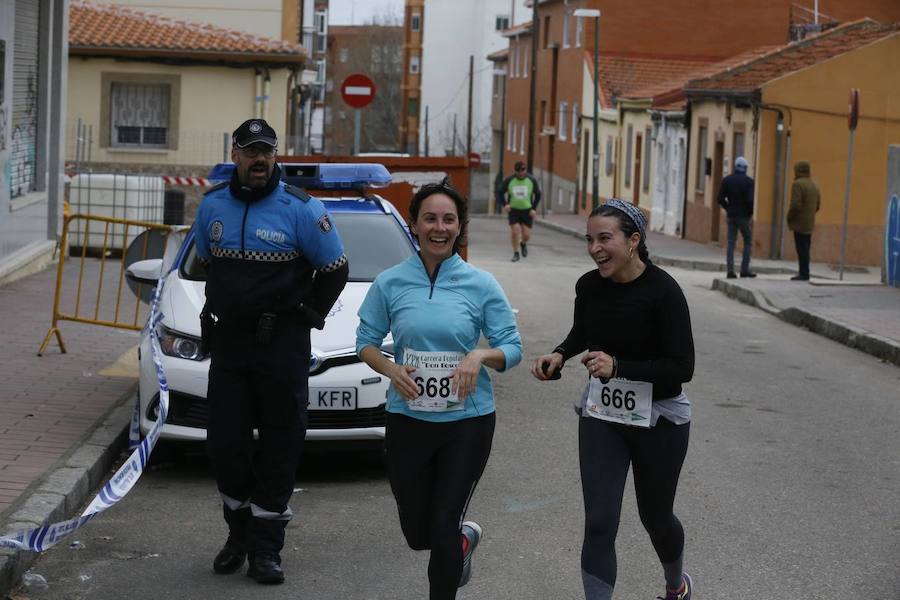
(250, 194)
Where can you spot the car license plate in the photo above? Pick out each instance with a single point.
(332, 399)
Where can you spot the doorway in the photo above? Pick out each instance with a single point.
(718, 160)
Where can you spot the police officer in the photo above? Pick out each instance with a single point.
(275, 266)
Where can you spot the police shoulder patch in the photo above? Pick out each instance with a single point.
(324, 223)
(293, 190)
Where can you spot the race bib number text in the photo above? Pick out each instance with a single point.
(433, 377)
(620, 401)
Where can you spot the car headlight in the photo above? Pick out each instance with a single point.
(179, 345)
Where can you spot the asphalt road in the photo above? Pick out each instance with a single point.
(790, 488)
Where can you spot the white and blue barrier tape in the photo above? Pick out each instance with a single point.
(44, 537)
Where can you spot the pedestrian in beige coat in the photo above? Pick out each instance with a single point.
(801, 217)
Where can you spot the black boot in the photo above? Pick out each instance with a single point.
(265, 567)
(231, 557)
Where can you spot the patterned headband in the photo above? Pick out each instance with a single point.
(633, 212)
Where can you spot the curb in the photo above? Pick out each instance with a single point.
(63, 490)
(681, 263)
(853, 337)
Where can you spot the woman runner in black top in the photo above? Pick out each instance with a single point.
(633, 320)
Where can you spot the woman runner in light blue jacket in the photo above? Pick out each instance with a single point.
(440, 405)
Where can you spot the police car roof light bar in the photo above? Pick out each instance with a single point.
(325, 176)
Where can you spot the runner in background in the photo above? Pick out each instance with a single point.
(633, 320)
(440, 405)
(519, 196)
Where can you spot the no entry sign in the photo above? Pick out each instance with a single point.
(358, 90)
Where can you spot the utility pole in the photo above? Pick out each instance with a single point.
(469, 119)
(535, 35)
(426, 130)
(453, 148)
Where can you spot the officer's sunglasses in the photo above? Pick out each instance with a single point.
(254, 151)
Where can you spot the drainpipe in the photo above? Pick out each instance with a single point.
(257, 93)
(776, 245)
(267, 86)
(687, 161)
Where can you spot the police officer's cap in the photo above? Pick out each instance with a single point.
(252, 131)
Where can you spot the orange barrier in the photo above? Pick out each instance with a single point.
(94, 250)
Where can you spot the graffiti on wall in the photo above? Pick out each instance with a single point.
(22, 145)
(892, 242)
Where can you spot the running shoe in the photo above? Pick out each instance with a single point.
(524, 250)
(471, 535)
(684, 593)
(515, 257)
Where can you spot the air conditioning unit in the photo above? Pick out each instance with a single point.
(548, 130)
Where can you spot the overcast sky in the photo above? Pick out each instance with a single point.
(359, 12)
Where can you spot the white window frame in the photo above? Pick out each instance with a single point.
(320, 24)
(415, 22)
(579, 31)
(522, 145)
(415, 65)
(514, 63)
(561, 126)
(575, 117)
(565, 36)
(524, 61)
(510, 136)
(115, 143)
(501, 22)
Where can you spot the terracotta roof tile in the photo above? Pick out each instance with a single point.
(622, 74)
(669, 94)
(516, 30)
(499, 56)
(750, 76)
(109, 27)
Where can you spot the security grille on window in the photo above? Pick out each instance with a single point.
(320, 21)
(139, 114)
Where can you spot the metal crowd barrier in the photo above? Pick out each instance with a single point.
(102, 256)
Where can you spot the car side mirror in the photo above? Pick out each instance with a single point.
(144, 272)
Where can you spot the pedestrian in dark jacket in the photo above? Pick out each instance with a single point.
(801, 217)
(736, 197)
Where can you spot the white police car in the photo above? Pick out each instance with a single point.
(346, 397)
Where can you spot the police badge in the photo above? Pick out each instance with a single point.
(215, 231)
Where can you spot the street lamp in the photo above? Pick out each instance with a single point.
(595, 14)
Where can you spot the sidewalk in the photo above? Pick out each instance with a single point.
(858, 312)
(63, 417)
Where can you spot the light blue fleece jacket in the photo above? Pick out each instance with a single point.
(448, 314)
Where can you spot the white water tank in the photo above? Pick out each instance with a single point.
(120, 196)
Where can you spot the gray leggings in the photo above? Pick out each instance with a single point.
(656, 455)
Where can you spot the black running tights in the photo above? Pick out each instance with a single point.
(433, 469)
(656, 455)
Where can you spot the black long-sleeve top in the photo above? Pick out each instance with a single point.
(644, 323)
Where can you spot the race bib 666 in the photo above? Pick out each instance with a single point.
(620, 401)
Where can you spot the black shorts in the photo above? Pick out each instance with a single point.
(520, 215)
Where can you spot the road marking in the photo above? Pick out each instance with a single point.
(124, 366)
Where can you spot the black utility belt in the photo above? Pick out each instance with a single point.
(262, 325)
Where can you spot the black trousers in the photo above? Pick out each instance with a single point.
(433, 469)
(656, 455)
(803, 241)
(262, 386)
